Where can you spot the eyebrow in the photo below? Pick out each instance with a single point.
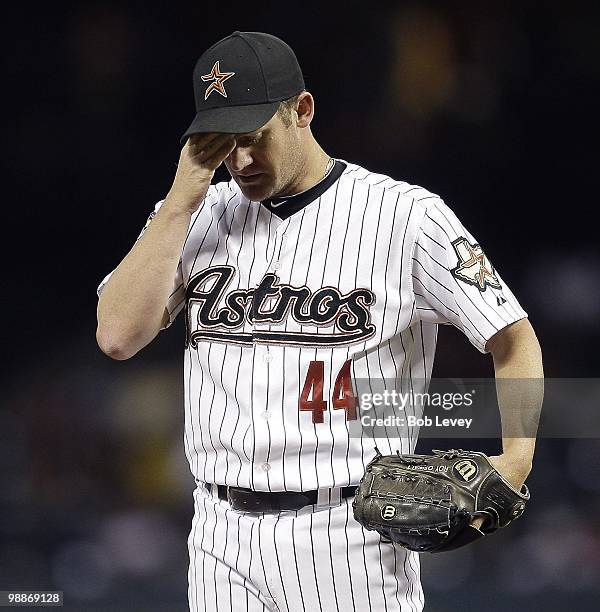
(251, 134)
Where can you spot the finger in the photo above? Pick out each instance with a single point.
(221, 153)
(206, 150)
(198, 141)
(477, 522)
(209, 150)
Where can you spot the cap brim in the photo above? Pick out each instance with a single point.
(231, 119)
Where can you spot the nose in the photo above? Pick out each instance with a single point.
(239, 159)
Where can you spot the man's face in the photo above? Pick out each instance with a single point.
(266, 162)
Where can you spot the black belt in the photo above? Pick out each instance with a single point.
(246, 500)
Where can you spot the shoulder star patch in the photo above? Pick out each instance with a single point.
(474, 268)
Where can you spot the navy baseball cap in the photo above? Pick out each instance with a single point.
(240, 81)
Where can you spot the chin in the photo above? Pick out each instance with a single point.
(255, 193)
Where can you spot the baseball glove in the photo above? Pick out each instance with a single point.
(426, 502)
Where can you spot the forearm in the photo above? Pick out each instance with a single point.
(133, 302)
(520, 389)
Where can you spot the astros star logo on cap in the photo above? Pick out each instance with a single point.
(218, 78)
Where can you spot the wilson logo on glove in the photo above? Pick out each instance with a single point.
(466, 469)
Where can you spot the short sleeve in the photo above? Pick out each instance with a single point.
(176, 299)
(454, 281)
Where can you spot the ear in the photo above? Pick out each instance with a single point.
(305, 109)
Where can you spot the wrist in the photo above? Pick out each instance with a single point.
(519, 448)
(178, 205)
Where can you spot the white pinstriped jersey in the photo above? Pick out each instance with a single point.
(285, 302)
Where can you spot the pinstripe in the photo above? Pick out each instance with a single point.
(236, 394)
(310, 259)
(237, 557)
(396, 376)
(366, 570)
(262, 562)
(359, 250)
(431, 237)
(192, 582)
(402, 250)
(379, 353)
(423, 348)
(382, 577)
(420, 602)
(198, 413)
(433, 278)
(225, 560)
(396, 578)
(330, 538)
(411, 432)
(466, 320)
(268, 427)
(409, 594)
(270, 260)
(441, 265)
(335, 195)
(252, 467)
(312, 244)
(387, 263)
(287, 606)
(211, 379)
(356, 280)
(300, 351)
(253, 462)
(283, 385)
(348, 557)
(375, 256)
(249, 573)
(434, 296)
(226, 347)
(296, 562)
(314, 564)
(214, 580)
(466, 316)
(203, 554)
(347, 354)
(204, 478)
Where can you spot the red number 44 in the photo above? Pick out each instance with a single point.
(343, 397)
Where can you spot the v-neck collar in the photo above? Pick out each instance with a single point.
(286, 206)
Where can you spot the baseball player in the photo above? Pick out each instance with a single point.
(299, 275)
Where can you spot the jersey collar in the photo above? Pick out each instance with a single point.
(286, 206)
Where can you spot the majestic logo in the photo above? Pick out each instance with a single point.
(214, 314)
(473, 266)
(466, 469)
(518, 510)
(388, 512)
(218, 78)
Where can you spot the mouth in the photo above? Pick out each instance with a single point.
(249, 179)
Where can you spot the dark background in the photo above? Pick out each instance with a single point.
(491, 107)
